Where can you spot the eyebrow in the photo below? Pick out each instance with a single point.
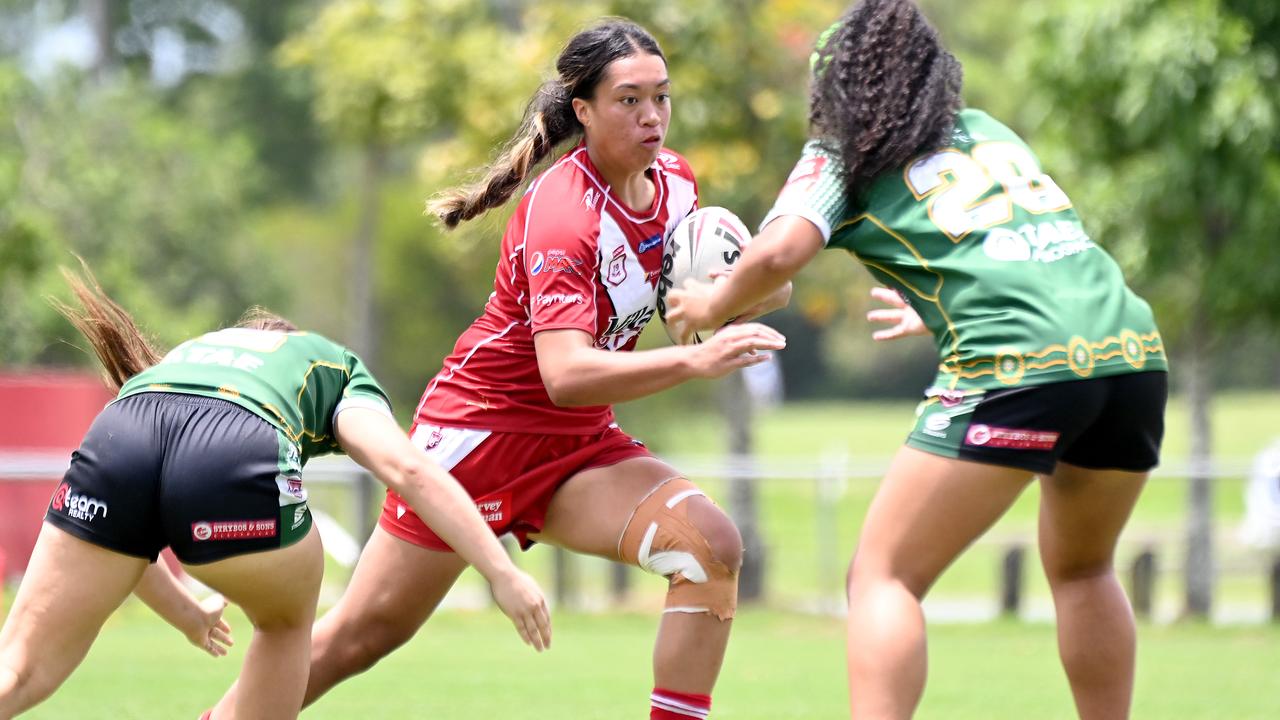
(633, 86)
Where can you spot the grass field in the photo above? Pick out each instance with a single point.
(781, 664)
(469, 665)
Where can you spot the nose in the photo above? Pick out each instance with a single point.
(650, 117)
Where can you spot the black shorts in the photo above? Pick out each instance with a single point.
(1108, 423)
(204, 476)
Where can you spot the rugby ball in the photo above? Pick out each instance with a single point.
(708, 239)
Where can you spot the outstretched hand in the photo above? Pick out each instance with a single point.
(899, 315)
(520, 598)
(736, 346)
(211, 633)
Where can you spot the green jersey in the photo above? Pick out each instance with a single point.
(991, 255)
(296, 381)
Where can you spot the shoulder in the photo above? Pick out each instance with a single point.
(975, 126)
(565, 200)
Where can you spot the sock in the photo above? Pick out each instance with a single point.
(672, 705)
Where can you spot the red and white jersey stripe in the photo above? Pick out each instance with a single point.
(573, 256)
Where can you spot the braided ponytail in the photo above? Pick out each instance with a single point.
(549, 119)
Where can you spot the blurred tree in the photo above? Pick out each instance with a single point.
(1165, 126)
(151, 200)
(385, 73)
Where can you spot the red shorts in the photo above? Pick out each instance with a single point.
(511, 476)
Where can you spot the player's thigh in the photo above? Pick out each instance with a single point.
(1082, 513)
(928, 509)
(396, 585)
(590, 510)
(70, 588)
(274, 587)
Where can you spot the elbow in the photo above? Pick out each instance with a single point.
(562, 393)
(784, 263)
(403, 473)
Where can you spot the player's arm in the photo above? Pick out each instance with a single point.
(373, 439)
(777, 300)
(768, 263)
(576, 373)
(201, 622)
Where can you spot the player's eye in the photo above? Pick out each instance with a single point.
(664, 98)
(629, 100)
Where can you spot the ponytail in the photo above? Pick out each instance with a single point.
(548, 121)
(120, 346)
(549, 118)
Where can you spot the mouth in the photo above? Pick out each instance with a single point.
(652, 141)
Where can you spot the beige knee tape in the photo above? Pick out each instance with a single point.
(659, 538)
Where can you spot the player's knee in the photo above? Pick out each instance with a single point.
(719, 531)
(356, 644)
(1065, 569)
(676, 532)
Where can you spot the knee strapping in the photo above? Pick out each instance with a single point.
(661, 539)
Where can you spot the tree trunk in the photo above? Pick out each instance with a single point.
(363, 318)
(98, 13)
(743, 508)
(1199, 566)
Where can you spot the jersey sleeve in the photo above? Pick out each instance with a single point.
(561, 258)
(814, 191)
(362, 389)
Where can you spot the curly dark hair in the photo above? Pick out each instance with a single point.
(885, 90)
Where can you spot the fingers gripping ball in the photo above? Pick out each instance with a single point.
(661, 539)
(707, 240)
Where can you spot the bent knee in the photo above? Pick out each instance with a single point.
(719, 531)
(867, 573)
(1065, 570)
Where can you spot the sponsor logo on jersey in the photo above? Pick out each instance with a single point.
(650, 243)
(1044, 242)
(299, 516)
(493, 508)
(77, 505)
(937, 424)
(591, 197)
(1010, 438)
(293, 458)
(668, 160)
(552, 261)
(621, 330)
(560, 299)
(616, 273)
(214, 530)
(295, 487)
(432, 441)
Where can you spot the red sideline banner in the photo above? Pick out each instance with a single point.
(43, 416)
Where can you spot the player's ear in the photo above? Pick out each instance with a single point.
(582, 111)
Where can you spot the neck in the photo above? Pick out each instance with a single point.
(633, 188)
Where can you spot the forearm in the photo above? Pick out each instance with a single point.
(447, 509)
(763, 275)
(161, 590)
(589, 376)
(756, 281)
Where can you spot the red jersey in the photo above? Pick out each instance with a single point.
(573, 256)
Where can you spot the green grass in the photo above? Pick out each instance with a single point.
(469, 665)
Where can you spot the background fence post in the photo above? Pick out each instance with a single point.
(1011, 581)
(1275, 590)
(1142, 579)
